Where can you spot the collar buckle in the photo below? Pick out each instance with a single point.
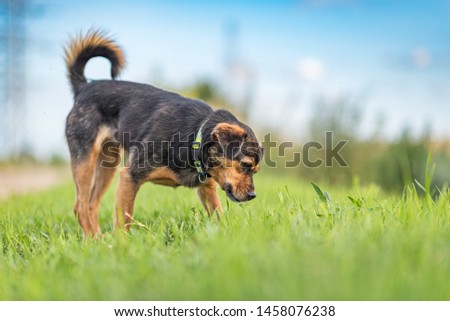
(196, 148)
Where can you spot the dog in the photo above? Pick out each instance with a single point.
(169, 139)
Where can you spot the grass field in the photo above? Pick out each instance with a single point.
(287, 244)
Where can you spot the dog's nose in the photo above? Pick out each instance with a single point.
(251, 195)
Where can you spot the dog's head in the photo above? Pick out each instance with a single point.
(234, 155)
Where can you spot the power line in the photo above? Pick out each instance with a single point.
(12, 75)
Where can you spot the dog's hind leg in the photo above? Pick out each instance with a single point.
(106, 167)
(83, 169)
(125, 196)
(83, 174)
(209, 198)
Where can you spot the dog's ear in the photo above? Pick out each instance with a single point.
(225, 133)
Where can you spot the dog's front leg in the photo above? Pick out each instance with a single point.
(208, 195)
(125, 196)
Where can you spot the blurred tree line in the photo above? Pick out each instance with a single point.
(390, 164)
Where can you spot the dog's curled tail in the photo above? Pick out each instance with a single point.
(95, 43)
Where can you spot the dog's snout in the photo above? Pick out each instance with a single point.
(251, 195)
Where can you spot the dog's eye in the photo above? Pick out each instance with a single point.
(246, 167)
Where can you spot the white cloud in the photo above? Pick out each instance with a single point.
(421, 57)
(310, 69)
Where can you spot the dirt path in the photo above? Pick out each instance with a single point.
(20, 180)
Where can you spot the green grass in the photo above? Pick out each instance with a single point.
(293, 242)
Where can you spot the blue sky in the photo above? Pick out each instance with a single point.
(394, 56)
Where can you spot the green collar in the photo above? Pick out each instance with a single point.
(196, 150)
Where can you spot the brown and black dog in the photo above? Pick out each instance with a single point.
(169, 139)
